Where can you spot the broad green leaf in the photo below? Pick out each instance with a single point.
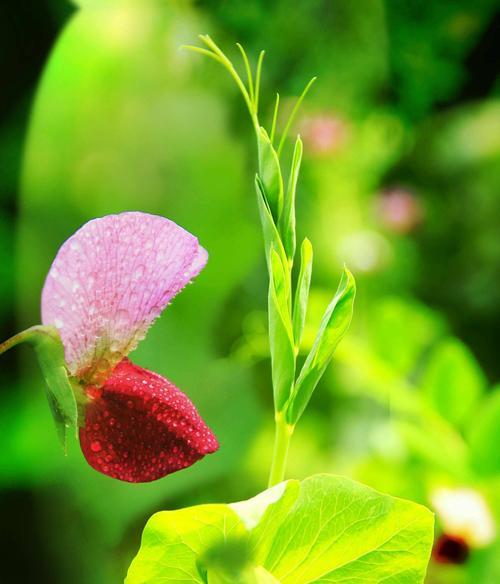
(324, 529)
(287, 219)
(178, 546)
(341, 531)
(484, 437)
(333, 327)
(272, 239)
(270, 174)
(280, 331)
(302, 291)
(50, 352)
(453, 381)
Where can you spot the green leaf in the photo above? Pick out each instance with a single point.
(484, 436)
(453, 381)
(272, 238)
(341, 531)
(287, 219)
(177, 545)
(270, 174)
(302, 291)
(333, 327)
(50, 352)
(280, 331)
(324, 529)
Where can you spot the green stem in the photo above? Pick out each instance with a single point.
(31, 335)
(283, 434)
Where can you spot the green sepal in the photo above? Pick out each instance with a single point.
(287, 219)
(333, 327)
(60, 394)
(280, 331)
(302, 291)
(270, 174)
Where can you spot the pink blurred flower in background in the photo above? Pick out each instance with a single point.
(399, 210)
(323, 133)
(106, 286)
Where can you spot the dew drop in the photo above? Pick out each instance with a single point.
(138, 273)
(96, 446)
(122, 317)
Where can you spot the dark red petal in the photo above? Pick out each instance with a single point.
(139, 427)
(449, 549)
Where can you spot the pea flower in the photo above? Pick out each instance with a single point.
(324, 133)
(399, 210)
(466, 520)
(106, 286)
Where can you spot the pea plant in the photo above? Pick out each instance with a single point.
(322, 529)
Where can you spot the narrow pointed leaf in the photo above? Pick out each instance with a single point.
(287, 220)
(302, 291)
(270, 174)
(272, 238)
(334, 326)
(280, 332)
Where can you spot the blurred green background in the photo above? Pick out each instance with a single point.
(101, 112)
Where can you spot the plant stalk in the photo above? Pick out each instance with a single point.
(283, 434)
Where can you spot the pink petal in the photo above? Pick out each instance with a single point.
(110, 281)
(139, 427)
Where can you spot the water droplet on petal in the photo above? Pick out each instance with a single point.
(96, 446)
(138, 273)
(122, 318)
